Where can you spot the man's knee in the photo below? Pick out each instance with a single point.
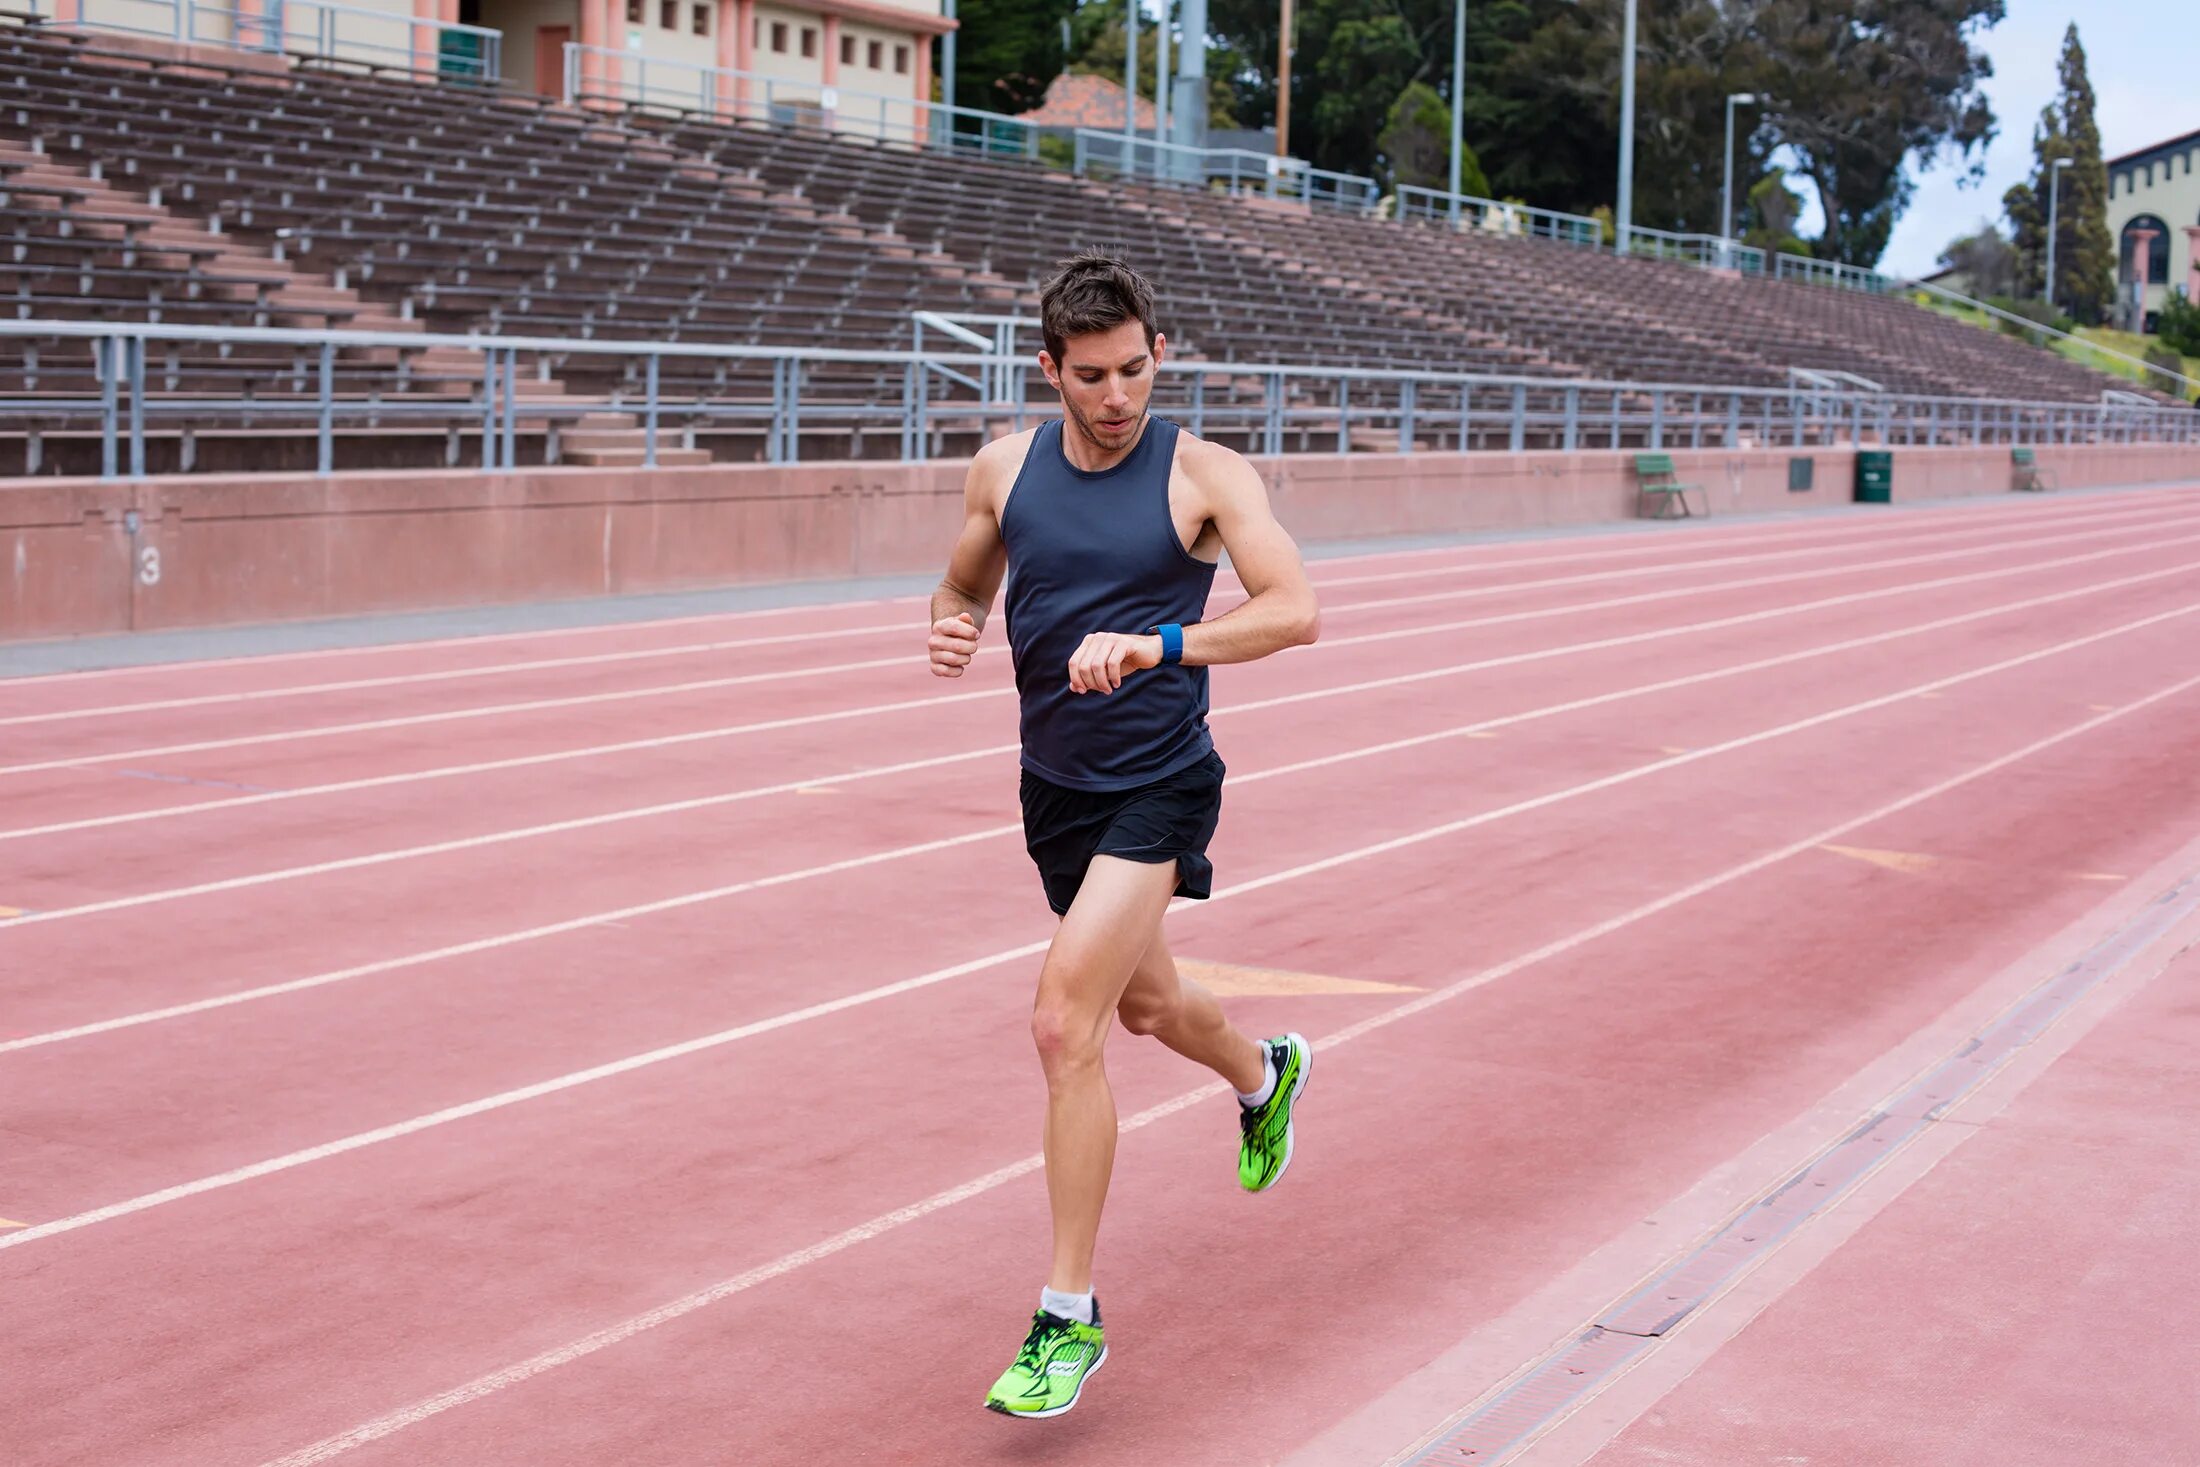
(1148, 1014)
(1065, 1032)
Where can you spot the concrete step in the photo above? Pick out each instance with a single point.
(631, 458)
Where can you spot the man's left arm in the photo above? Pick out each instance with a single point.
(1279, 610)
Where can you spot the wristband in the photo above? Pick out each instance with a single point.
(1172, 643)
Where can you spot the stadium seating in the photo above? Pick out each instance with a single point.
(133, 188)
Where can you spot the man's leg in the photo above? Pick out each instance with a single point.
(1183, 1015)
(1114, 920)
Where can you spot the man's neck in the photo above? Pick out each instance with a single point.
(1089, 457)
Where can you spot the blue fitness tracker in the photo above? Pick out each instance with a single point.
(1172, 643)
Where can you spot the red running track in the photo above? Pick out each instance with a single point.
(609, 1045)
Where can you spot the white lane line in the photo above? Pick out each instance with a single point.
(908, 660)
(709, 801)
(661, 1055)
(909, 629)
(1849, 532)
(392, 1422)
(622, 915)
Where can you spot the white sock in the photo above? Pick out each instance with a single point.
(1067, 1306)
(1267, 1082)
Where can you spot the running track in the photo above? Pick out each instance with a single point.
(609, 1044)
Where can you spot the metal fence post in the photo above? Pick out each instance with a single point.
(1466, 418)
(325, 452)
(133, 352)
(1617, 436)
(1275, 404)
(649, 411)
(908, 407)
(1344, 415)
(1405, 415)
(105, 352)
(794, 410)
(1657, 418)
(779, 410)
(1573, 417)
(511, 416)
(1519, 416)
(1733, 420)
(489, 357)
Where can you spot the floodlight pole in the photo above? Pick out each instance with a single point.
(2054, 198)
(1458, 92)
(1626, 219)
(1726, 190)
(1283, 83)
(1161, 84)
(1130, 86)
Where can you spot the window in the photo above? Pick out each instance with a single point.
(2157, 251)
(702, 20)
(779, 36)
(872, 55)
(809, 43)
(756, 32)
(901, 61)
(668, 14)
(847, 50)
(633, 12)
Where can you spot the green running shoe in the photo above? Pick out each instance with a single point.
(1264, 1139)
(1058, 1357)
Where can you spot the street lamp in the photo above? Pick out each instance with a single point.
(1726, 190)
(1458, 91)
(1626, 217)
(2054, 197)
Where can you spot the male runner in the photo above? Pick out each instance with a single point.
(1108, 524)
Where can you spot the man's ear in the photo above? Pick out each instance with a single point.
(1053, 372)
(1160, 346)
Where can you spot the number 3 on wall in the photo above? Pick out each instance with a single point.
(149, 566)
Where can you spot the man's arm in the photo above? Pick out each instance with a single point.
(1280, 609)
(974, 571)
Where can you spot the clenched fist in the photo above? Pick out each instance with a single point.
(954, 642)
(1103, 659)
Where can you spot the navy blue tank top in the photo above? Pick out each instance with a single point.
(1098, 552)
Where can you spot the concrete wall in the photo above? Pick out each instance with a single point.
(74, 554)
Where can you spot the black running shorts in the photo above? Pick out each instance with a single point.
(1171, 819)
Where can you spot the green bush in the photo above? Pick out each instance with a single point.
(2180, 325)
(2032, 310)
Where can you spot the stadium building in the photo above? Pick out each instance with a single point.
(2154, 217)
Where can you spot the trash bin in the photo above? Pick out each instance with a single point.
(1874, 476)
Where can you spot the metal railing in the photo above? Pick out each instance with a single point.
(634, 79)
(1830, 272)
(930, 403)
(2041, 334)
(1494, 216)
(313, 28)
(1710, 251)
(1239, 170)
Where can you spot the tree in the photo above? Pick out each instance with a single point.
(1770, 216)
(2085, 260)
(2179, 327)
(1864, 88)
(1098, 48)
(1987, 261)
(1416, 144)
(1008, 51)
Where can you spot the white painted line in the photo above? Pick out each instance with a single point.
(913, 629)
(390, 1423)
(1850, 532)
(909, 660)
(622, 915)
(709, 801)
(653, 1057)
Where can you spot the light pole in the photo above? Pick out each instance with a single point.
(1627, 131)
(1458, 93)
(1726, 190)
(2054, 198)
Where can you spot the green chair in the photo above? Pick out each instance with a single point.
(2031, 476)
(1661, 495)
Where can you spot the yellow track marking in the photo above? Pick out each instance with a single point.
(813, 789)
(1908, 862)
(1232, 981)
(11, 911)
(10, 1223)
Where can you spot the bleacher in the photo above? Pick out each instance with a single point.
(135, 189)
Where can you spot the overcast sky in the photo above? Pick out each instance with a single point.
(2143, 60)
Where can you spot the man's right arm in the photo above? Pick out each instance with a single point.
(974, 571)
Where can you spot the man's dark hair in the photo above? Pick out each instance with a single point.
(1092, 292)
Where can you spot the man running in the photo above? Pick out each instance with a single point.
(1108, 524)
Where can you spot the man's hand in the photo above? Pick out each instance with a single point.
(954, 642)
(1104, 658)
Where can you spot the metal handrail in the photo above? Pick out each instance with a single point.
(1263, 402)
(330, 29)
(1496, 216)
(632, 78)
(1295, 179)
(2184, 385)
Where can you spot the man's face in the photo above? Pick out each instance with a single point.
(1106, 380)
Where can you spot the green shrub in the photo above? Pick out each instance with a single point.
(2035, 311)
(2180, 325)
